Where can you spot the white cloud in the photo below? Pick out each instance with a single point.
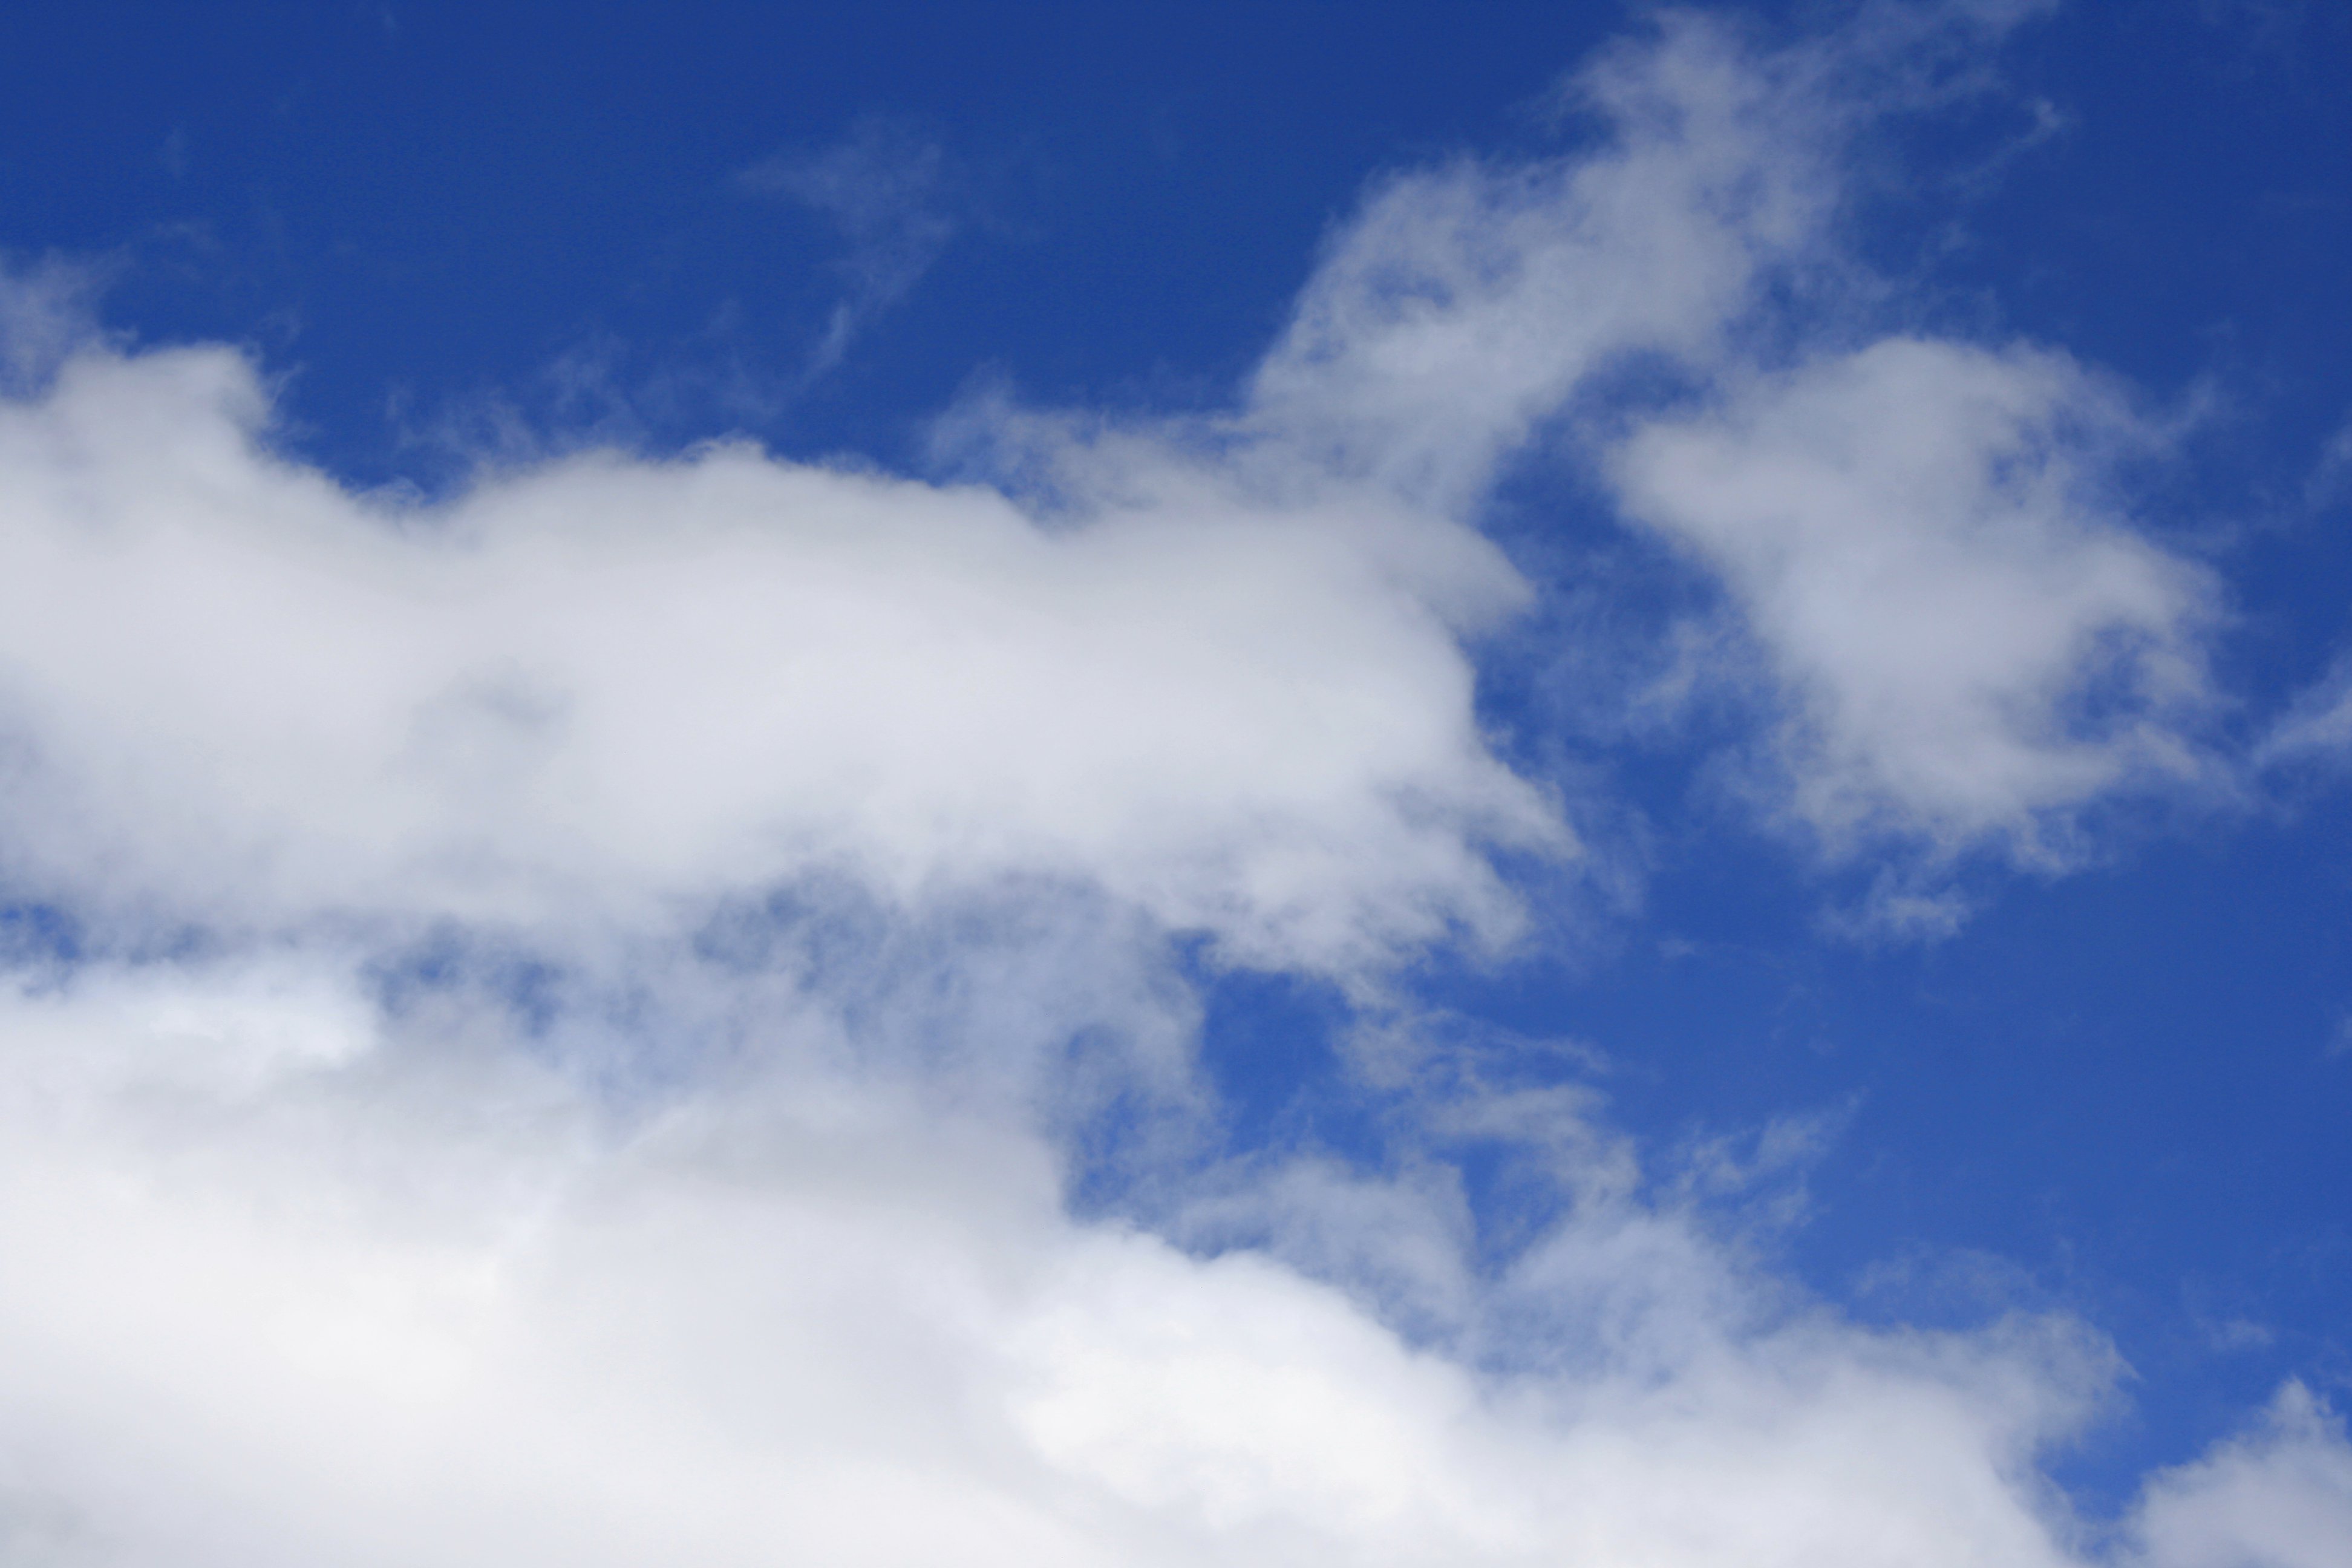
(230, 689)
(2278, 1497)
(1967, 636)
(1920, 537)
(386, 1303)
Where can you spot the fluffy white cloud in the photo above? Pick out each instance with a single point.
(2280, 1496)
(1919, 536)
(1967, 636)
(288, 1284)
(297, 1280)
(231, 690)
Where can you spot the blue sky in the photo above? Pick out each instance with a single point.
(1177, 784)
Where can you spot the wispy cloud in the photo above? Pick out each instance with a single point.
(2330, 485)
(2316, 728)
(48, 312)
(890, 193)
